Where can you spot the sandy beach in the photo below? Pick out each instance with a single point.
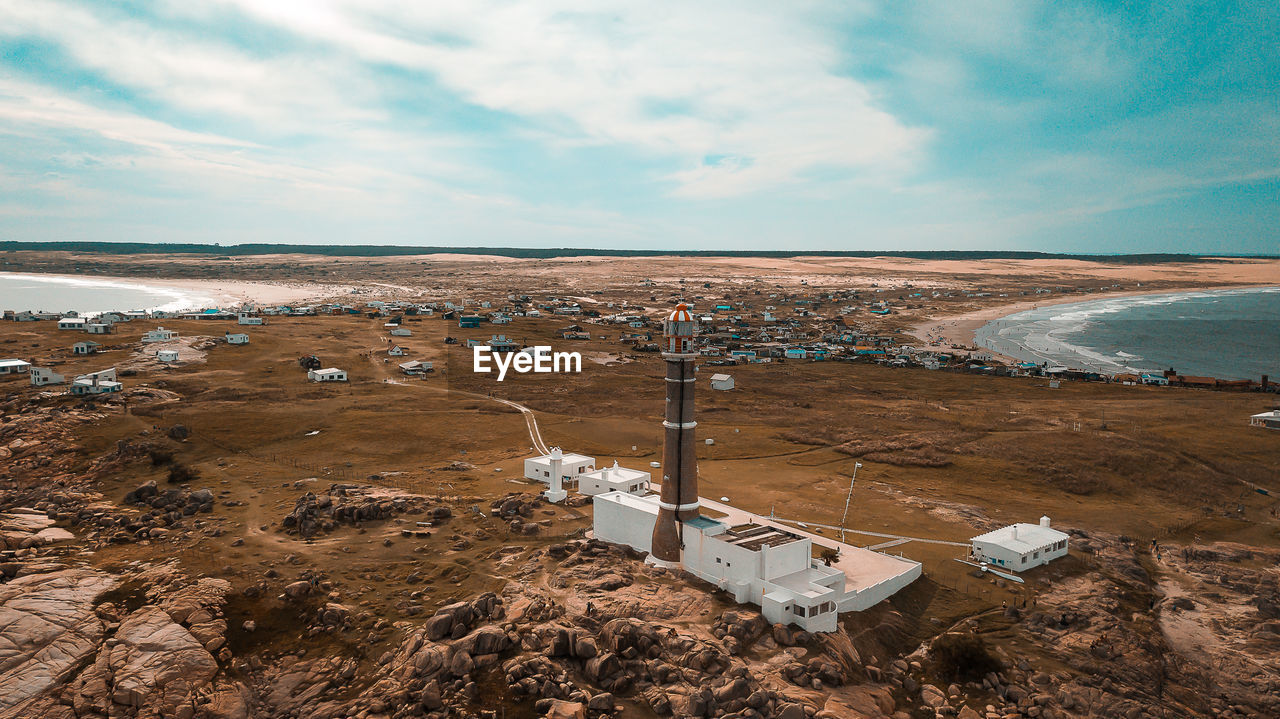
(264, 293)
(940, 333)
(219, 292)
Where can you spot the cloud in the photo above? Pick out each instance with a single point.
(684, 80)
(631, 124)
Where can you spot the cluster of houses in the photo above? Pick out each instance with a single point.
(92, 383)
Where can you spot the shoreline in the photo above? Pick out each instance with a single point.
(962, 329)
(217, 292)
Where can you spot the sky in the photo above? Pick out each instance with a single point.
(1056, 127)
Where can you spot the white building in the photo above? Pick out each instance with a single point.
(41, 376)
(1270, 420)
(14, 366)
(237, 338)
(396, 351)
(244, 318)
(100, 382)
(760, 564)
(329, 374)
(167, 355)
(72, 323)
(614, 479)
(723, 382)
(1021, 546)
(401, 332)
(99, 328)
(414, 368)
(84, 348)
(159, 334)
(572, 467)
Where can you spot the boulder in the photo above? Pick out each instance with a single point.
(559, 709)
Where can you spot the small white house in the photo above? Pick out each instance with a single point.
(572, 467)
(1021, 546)
(100, 382)
(396, 351)
(41, 376)
(722, 382)
(1269, 420)
(329, 374)
(414, 368)
(167, 355)
(159, 334)
(72, 323)
(14, 366)
(84, 348)
(237, 338)
(99, 328)
(244, 318)
(614, 479)
(401, 332)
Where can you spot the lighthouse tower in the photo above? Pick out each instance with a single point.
(679, 498)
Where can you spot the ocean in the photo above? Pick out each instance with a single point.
(51, 293)
(1228, 334)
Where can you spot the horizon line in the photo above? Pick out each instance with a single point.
(250, 249)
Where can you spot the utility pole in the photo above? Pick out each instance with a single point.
(849, 498)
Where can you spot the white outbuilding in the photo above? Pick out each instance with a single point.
(415, 368)
(41, 376)
(614, 479)
(1021, 546)
(72, 323)
(722, 382)
(572, 467)
(100, 382)
(328, 374)
(1270, 420)
(167, 355)
(14, 366)
(159, 334)
(237, 338)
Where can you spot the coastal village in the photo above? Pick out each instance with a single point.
(753, 327)
(319, 510)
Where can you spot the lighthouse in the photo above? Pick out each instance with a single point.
(679, 498)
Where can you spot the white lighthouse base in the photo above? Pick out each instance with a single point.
(555, 496)
(661, 562)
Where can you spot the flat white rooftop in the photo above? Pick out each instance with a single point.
(863, 569)
(569, 458)
(616, 474)
(1022, 537)
(648, 503)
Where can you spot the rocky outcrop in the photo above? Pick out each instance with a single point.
(152, 665)
(47, 630)
(345, 504)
